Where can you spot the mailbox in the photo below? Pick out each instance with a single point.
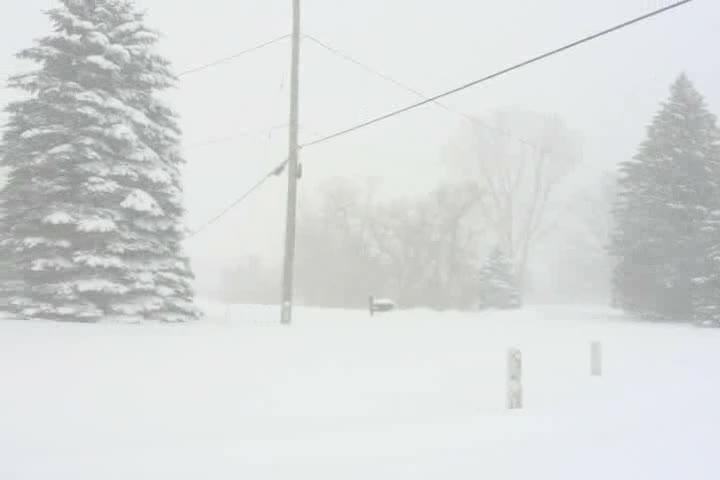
(380, 305)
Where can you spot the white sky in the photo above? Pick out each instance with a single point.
(607, 90)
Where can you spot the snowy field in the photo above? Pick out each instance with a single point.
(410, 395)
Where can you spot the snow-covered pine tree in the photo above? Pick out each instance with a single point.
(707, 283)
(498, 284)
(667, 193)
(94, 202)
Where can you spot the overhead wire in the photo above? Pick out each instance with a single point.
(427, 100)
(216, 218)
(232, 57)
(472, 119)
(497, 74)
(259, 134)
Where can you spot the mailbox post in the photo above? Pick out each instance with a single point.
(380, 305)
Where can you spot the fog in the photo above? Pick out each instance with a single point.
(487, 272)
(604, 93)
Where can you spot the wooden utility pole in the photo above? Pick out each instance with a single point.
(293, 171)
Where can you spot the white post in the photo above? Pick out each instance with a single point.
(596, 359)
(514, 380)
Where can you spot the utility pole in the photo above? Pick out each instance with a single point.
(293, 171)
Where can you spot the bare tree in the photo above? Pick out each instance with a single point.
(518, 165)
(336, 266)
(415, 250)
(426, 250)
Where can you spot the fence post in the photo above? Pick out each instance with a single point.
(514, 380)
(596, 359)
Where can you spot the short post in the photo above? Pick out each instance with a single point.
(514, 380)
(596, 359)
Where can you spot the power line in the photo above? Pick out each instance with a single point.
(266, 133)
(233, 57)
(274, 172)
(367, 68)
(418, 93)
(500, 73)
(230, 138)
(215, 62)
(280, 168)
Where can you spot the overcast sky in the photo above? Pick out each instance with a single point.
(607, 90)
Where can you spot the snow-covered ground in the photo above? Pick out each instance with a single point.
(340, 395)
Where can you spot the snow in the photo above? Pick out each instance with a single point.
(64, 148)
(157, 225)
(73, 38)
(45, 51)
(140, 201)
(158, 176)
(340, 395)
(36, 132)
(123, 171)
(157, 80)
(101, 286)
(98, 39)
(78, 24)
(44, 264)
(123, 108)
(122, 133)
(138, 307)
(165, 291)
(98, 261)
(128, 28)
(144, 36)
(88, 97)
(102, 63)
(32, 242)
(144, 155)
(96, 225)
(59, 218)
(119, 52)
(102, 185)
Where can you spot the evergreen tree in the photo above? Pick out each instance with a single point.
(707, 283)
(668, 192)
(93, 206)
(499, 289)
